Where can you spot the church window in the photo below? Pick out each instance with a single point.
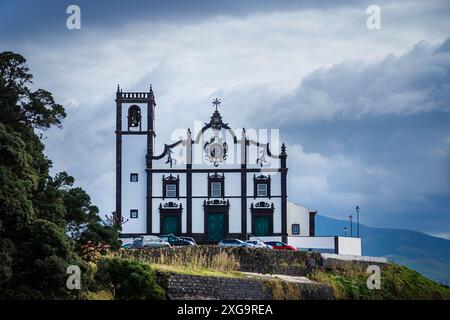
(261, 190)
(133, 213)
(171, 186)
(216, 189)
(171, 190)
(261, 186)
(295, 229)
(216, 184)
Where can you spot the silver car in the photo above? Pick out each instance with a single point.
(233, 243)
(149, 242)
(259, 244)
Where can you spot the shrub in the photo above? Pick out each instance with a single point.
(128, 279)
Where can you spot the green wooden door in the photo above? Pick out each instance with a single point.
(262, 226)
(170, 225)
(216, 226)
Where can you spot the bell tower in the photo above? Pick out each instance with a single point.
(135, 118)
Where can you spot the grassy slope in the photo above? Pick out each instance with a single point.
(427, 254)
(397, 282)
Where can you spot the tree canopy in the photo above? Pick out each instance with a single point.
(44, 220)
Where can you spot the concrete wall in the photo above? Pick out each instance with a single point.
(311, 242)
(349, 246)
(340, 245)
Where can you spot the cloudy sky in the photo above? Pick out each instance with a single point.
(365, 113)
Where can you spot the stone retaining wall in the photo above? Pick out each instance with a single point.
(189, 287)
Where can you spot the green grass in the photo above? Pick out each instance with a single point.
(206, 272)
(397, 282)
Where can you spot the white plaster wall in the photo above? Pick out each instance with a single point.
(350, 246)
(134, 193)
(300, 215)
(197, 215)
(311, 242)
(200, 184)
(233, 184)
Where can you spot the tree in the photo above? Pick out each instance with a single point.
(35, 208)
(128, 279)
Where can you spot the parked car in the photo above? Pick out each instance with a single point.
(149, 242)
(176, 241)
(127, 246)
(259, 244)
(188, 239)
(234, 243)
(278, 245)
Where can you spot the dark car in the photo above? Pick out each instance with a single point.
(188, 239)
(278, 245)
(176, 241)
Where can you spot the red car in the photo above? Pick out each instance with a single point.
(277, 245)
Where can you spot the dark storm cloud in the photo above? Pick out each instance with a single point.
(24, 19)
(390, 120)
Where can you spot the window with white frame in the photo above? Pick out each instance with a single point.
(133, 213)
(295, 229)
(171, 190)
(216, 189)
(261, 189)
(134, 177)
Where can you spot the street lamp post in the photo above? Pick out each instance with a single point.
(351, 225)
(357, 221)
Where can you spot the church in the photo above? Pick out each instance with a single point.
(214, 182)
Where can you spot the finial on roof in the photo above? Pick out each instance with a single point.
(283, 149)
(118, 88)
(216, 102)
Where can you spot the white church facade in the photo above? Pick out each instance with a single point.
(210, 184)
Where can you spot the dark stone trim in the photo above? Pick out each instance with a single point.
(150, 136)
(170, 212)
(206, 197)
(336, 245)
(247, 170)
(167, 148)
(136, 132)
(262, 211)
(216, 178)
(213, 208)
(189, 184)
(283, 161)
(171, 180)
(118, 159)
(244, 188)
(312, 223)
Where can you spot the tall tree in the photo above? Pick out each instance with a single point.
(35, 208)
